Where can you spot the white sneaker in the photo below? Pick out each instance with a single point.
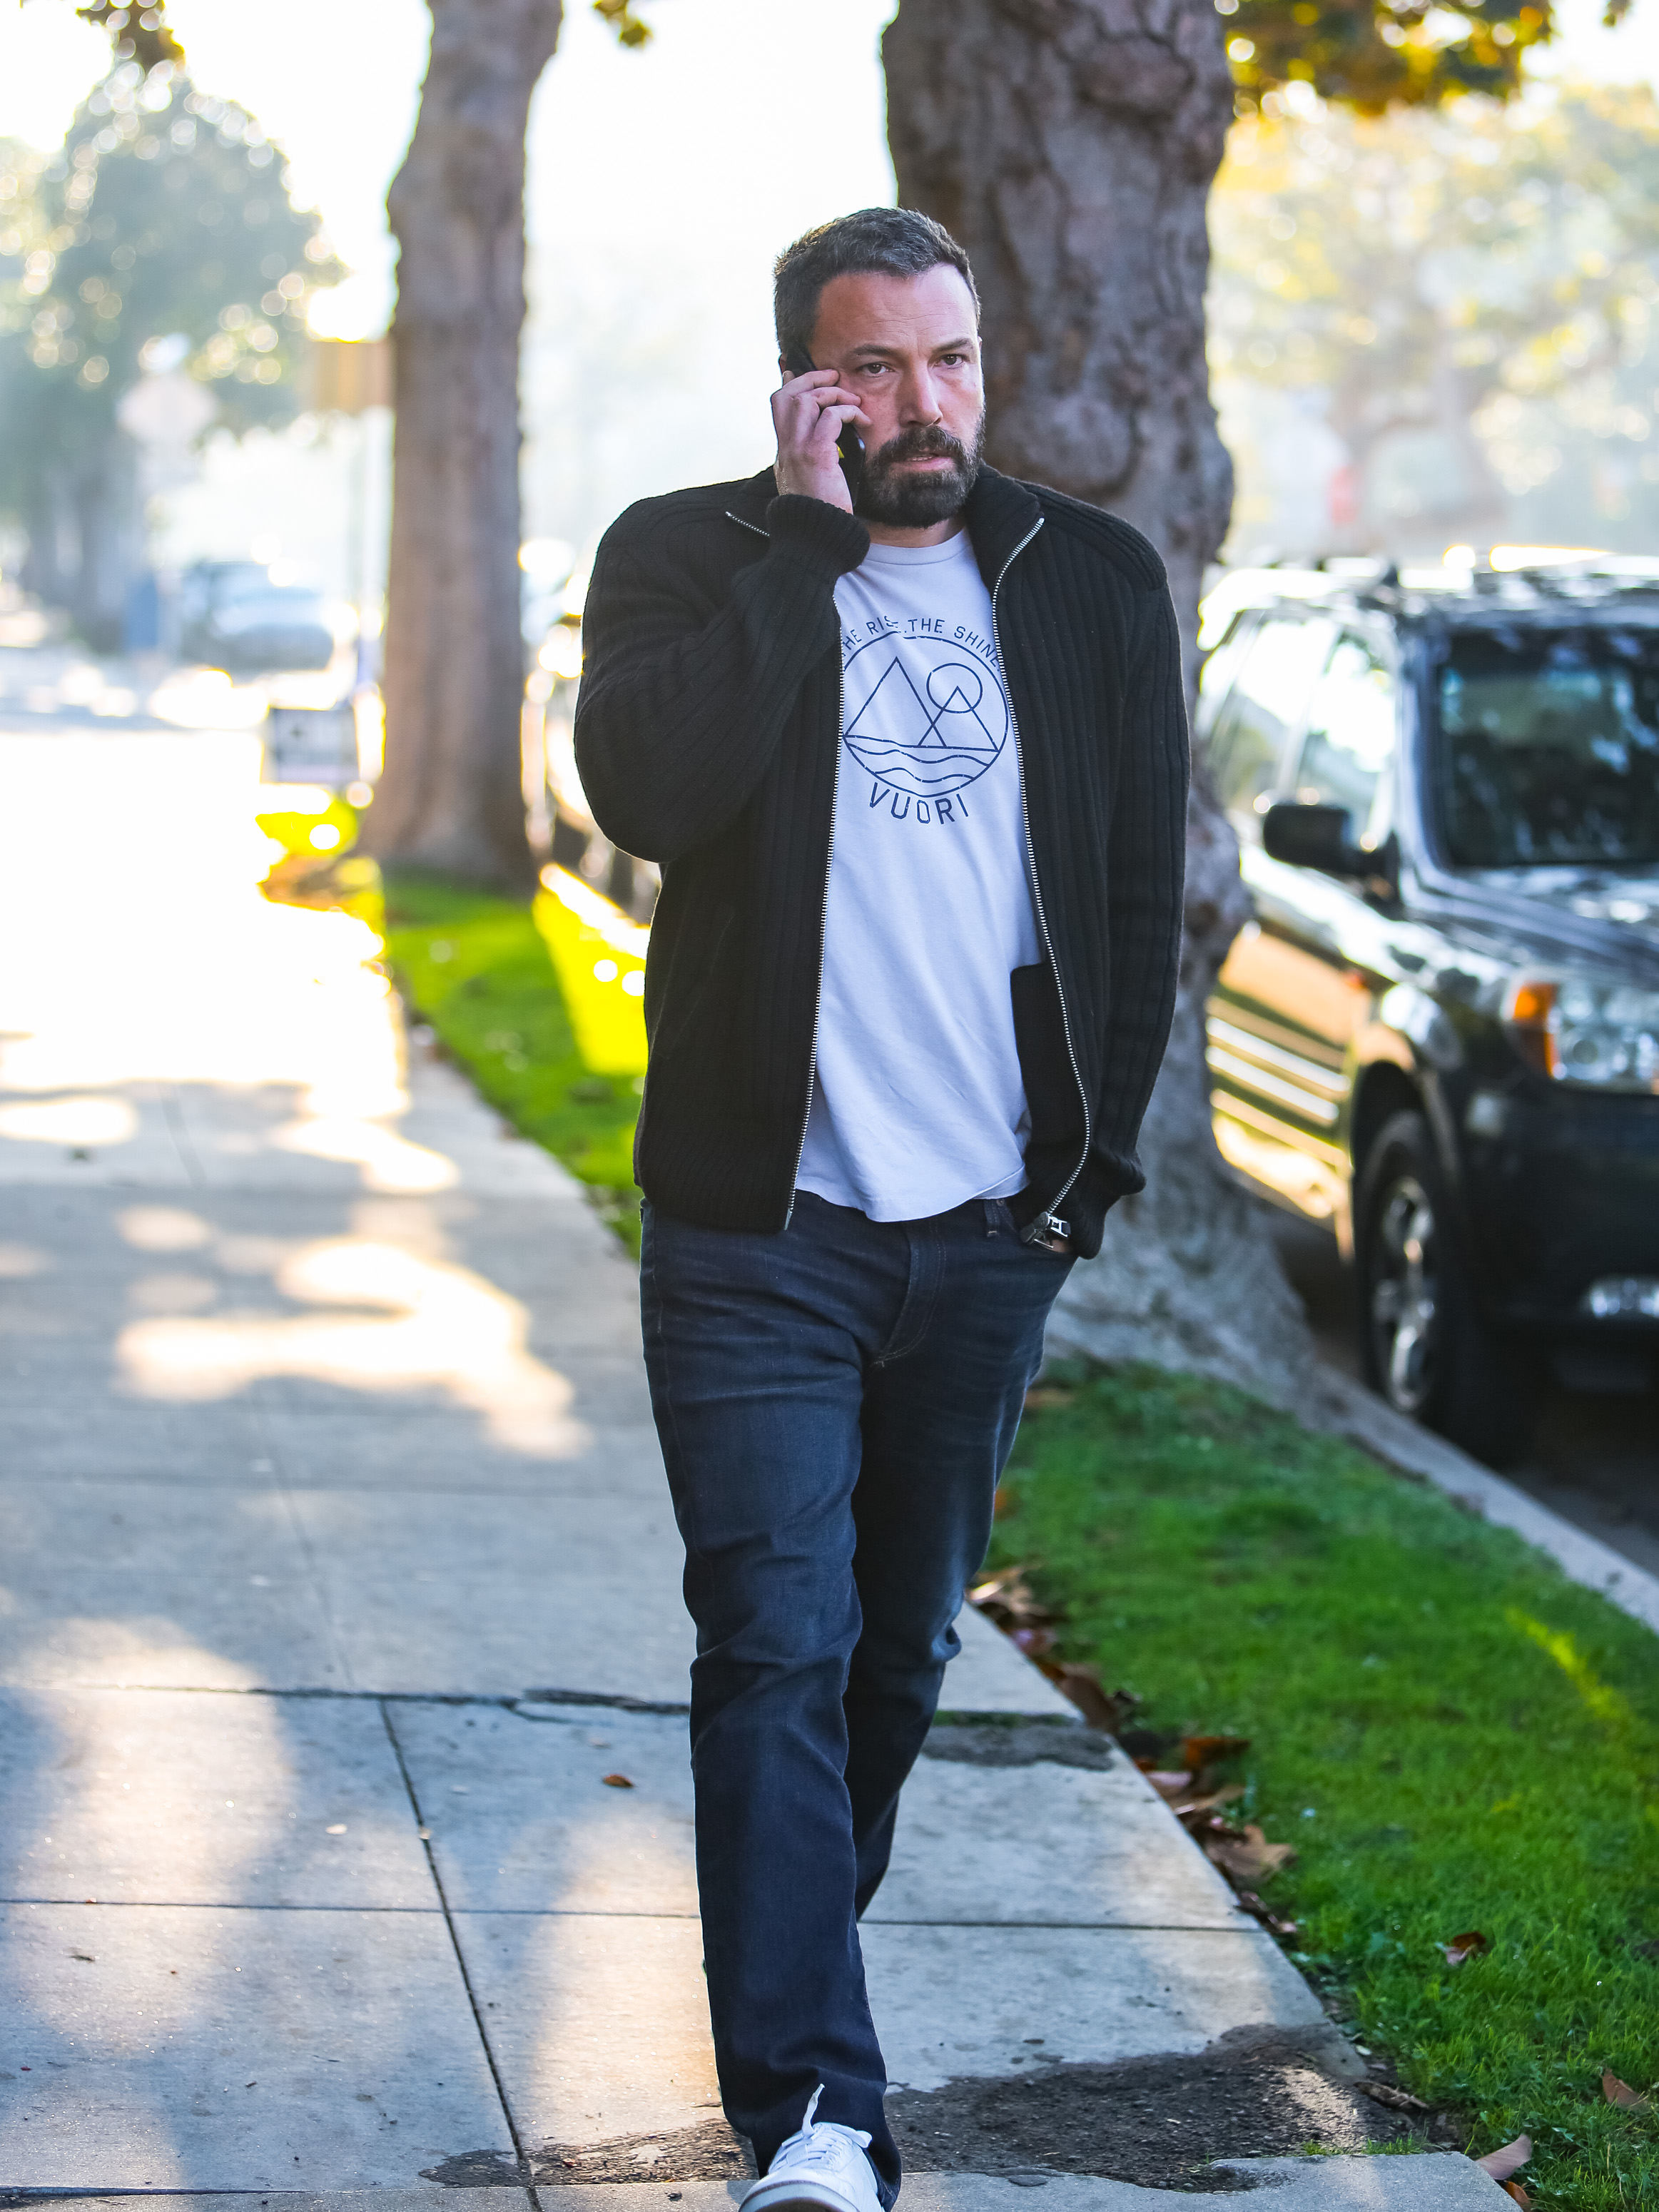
(824, 2166)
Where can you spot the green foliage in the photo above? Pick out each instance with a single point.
(631, 30)
(478, 969)
(165, 215)
(1372, 55)
(139, 34)
(1452, 1735)
(1419, 272)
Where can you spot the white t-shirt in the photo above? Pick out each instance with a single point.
(918, 1101)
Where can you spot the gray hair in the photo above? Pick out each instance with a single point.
(875, 241)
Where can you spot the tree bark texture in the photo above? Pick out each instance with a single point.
(450, 797)
(1069, 145)
(86, 539)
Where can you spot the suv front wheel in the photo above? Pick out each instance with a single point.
(1424, 1344)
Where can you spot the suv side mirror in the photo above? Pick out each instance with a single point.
(1315, 837)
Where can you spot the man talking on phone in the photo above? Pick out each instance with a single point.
(908, 740)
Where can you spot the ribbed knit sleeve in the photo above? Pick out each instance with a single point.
(682, 704)
(1145, 875)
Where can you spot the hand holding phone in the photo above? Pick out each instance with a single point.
(810, 409)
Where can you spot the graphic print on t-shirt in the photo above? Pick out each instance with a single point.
(918, 1097)
(926, 716)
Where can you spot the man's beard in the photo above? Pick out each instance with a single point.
(916, 503)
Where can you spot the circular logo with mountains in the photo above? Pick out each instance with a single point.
(925, 715)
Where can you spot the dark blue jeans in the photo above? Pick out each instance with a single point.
(835, 1404)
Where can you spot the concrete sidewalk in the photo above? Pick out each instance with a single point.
(339, 1577)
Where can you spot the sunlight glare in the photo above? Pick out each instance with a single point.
(162, 1229)
(407, 1322)
(87, 1122)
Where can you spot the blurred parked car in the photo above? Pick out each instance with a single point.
(1441, 1032)
(576, 842)
(250, 620)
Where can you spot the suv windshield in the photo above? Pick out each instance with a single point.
(1549, 747)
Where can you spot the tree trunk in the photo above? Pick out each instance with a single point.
(86, 539)
(1069, 145)
(110, 531)
(49, 561)
(451, 799)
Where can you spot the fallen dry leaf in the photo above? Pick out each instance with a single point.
(1244, 1854)
(1396, 2099)
(1102, 1708)
(616, 1782)
(1621, 2094)
(1500, 2163)
(1123, 1704)
(1285, 1929)
(1080, 1683)
(1469, 1945)
(1198, 1752)
(1008, 1601)
(1230, 1795)
(1168, 1781)
(1514, 2189)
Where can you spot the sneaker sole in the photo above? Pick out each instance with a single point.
(793, 2195)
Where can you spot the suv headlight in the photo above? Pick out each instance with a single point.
(1605, 1035)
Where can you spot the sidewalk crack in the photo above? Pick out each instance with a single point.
(525, 2168)
(307, 1551)
(174, 1114)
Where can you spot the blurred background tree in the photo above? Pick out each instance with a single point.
(451, 798)
(159, 242)
(1466, 302)
(1372, 55)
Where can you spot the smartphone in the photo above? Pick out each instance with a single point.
(849, 445)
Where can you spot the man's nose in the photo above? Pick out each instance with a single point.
(919, 399)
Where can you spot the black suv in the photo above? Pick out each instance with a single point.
(1441, 1032)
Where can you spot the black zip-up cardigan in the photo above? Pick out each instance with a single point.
(707, 736)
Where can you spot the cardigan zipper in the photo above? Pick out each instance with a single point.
(1047, 1222)
(823, 921)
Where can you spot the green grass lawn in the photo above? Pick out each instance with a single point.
(510, 989)
(1452, 1735)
